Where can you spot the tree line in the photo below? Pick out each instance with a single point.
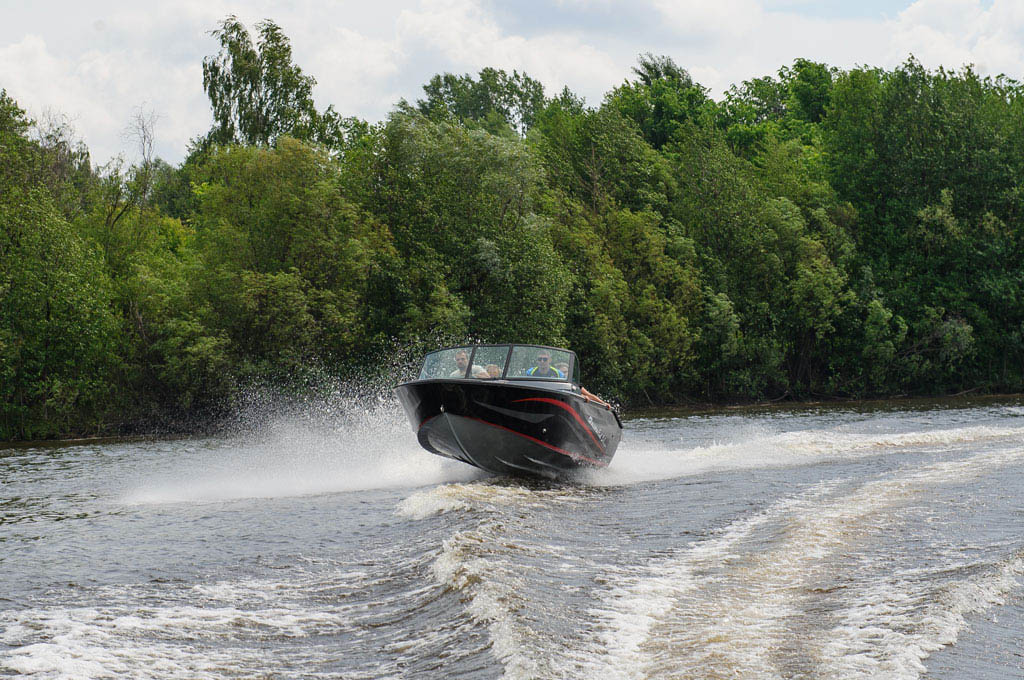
(815, 233)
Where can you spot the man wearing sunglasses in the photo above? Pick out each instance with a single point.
(543, 369)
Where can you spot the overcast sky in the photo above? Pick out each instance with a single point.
(98, 62)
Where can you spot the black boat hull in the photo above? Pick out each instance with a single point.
(509, 428)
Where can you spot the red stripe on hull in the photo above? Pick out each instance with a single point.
(571, 410)
(574, 456)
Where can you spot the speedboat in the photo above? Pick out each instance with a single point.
(510, 409)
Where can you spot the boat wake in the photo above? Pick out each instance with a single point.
(826, 583)
(644, 458)
(802, 589)
(485, 495)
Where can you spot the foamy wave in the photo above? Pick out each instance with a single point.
(424, 504)
(485, 567)
(493, 593)
(117, 642)
(893, 626)
(214, 630)
(724, 608)
(634, 612)
(482, 495)
(753, 449)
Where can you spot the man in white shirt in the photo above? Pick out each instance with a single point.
(461, 362)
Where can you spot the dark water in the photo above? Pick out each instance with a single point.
(798, 543)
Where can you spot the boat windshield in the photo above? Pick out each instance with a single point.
(490, 362)
(541, 363)
(448, 363)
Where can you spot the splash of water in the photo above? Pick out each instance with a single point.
(342, 436)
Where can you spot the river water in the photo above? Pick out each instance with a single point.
(840, 542)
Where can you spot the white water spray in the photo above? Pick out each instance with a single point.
(344, 442)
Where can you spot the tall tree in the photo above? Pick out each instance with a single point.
(664, 99)
(496, 96)
(810, 89)
(258, 94)
(58, 334)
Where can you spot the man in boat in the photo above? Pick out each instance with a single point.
(544, 369)
(461, 361)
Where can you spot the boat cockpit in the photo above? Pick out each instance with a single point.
(502, 362)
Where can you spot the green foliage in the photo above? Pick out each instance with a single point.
(923, 158)
(258, 94)
(286, 259)
(600, 159)
(664, 99)
(59, 335)
(768, 110)
(815, 233)
(495, 100)
(58, 332)
(459, 204)
(810, 88)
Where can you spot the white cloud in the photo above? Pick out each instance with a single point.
(43, 82)
(953, 33)
(722, 44)
(99, 90)
(353, 70)
(729, 19)
(944, 16)
(469, 40)
(98, 61)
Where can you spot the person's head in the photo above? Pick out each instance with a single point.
(494, 370)
(461, 359)
(544, 359)
(563, 367)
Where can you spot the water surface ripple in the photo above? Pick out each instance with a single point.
(787, 543)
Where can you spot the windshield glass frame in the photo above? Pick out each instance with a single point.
(524, 361)
(441, 364)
